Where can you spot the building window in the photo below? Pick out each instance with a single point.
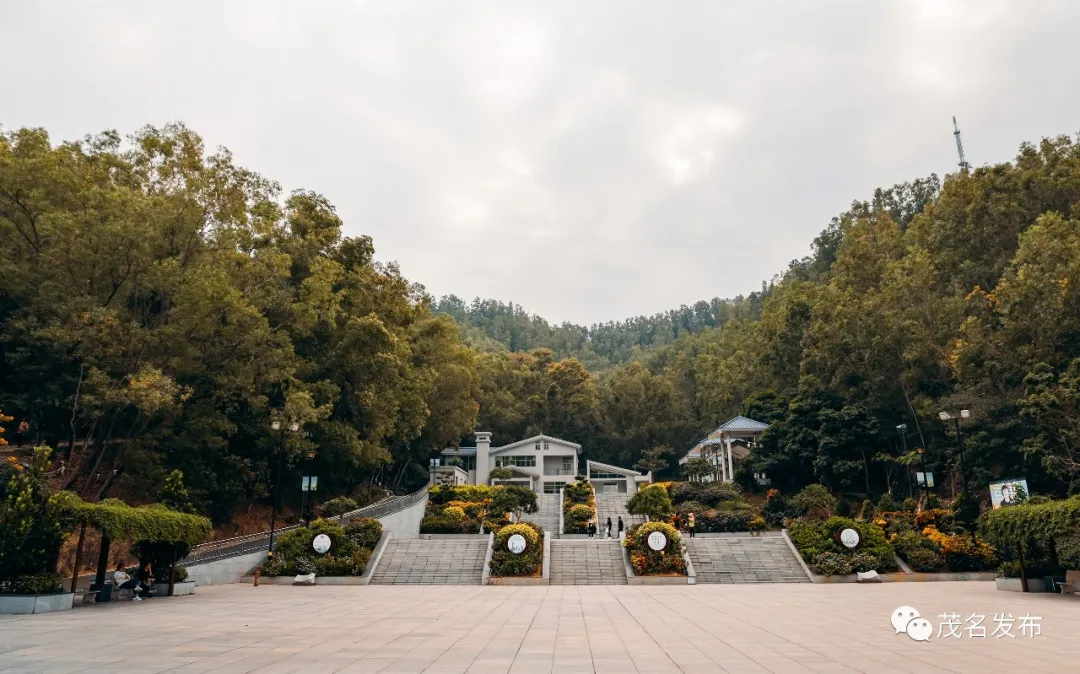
(546, 445)
(568, 464)
(538, 445)
(552, 487)
(521, 461)
(594, 475)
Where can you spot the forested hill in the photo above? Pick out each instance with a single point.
(163, 307)
(489, 324)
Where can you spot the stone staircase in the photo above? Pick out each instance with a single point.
(452, 560)
(723, 558)
(613, 505)
(547, 514)
(587, 562)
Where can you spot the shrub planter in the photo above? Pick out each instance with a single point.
(1013, 585)
(319, 580)
(179, 589)
(23, 604)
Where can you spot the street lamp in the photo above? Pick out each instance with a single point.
(964, 414)
(307, 483)
(278, 426)
(907, 468)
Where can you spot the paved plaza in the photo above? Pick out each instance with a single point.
(449, 630)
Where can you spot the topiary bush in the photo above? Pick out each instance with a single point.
(832, 564)
(365, 532)
(576, 519)
(815, 501)
(649, 562)
(528, 563)
(651, 501)
(336, 507)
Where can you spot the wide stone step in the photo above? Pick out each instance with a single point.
(547, 515)
(744, 559)
(586, 562)
(436, 561)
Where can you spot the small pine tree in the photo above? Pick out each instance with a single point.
(174, 494)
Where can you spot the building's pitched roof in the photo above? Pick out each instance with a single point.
(611, 468)
(459, 451)
(532, 440)
(741, 423)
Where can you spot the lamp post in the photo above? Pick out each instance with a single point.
(278, 426)
(308, 483)
(925, 486)
(907, 468)
(964, 414)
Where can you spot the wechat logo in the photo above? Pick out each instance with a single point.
(906, 619)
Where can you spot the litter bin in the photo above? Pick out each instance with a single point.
(106, 592)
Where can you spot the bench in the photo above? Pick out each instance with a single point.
(85, 595)
(1071, 584)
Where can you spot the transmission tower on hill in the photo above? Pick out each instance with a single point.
(964, 166)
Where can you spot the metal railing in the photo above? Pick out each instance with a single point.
(242, 545)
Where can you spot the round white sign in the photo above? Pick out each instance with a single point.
(321, 543)
(516, 544)
(849, 537)
(657, 540)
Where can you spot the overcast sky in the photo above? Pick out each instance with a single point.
(588, 160)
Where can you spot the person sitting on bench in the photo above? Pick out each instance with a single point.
(125, 582)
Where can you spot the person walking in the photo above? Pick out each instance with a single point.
(620, 527)
(592, 528)
(690, 524)
(607, 529)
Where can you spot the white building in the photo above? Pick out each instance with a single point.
(542, 463)
(726, 446)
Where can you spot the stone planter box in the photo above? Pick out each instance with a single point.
(907, 577)
(179, 589)
(517, 580)
(23, 604)
(658, 580)
(319, 580)
(1013, 584)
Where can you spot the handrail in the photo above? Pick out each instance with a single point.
(242, 545)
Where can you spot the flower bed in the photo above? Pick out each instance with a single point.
(350, 549)
(463, 509)
(817, 542)
(579, 507)
(649, 562)
(717, 507)
(529, 563)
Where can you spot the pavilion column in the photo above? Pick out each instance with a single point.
(730, 463)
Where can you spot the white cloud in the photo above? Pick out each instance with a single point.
(604, 159)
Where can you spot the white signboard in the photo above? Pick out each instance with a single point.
(321, 543)
(657, 540)
(516, 544)
(850, 538)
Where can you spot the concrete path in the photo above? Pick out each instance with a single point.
(529, 630)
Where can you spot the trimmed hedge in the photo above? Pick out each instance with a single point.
(649, 562)
(154, 522)
(528, 563)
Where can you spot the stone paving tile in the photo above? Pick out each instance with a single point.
(758, 629)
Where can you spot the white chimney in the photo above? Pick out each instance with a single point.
(483, 446)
